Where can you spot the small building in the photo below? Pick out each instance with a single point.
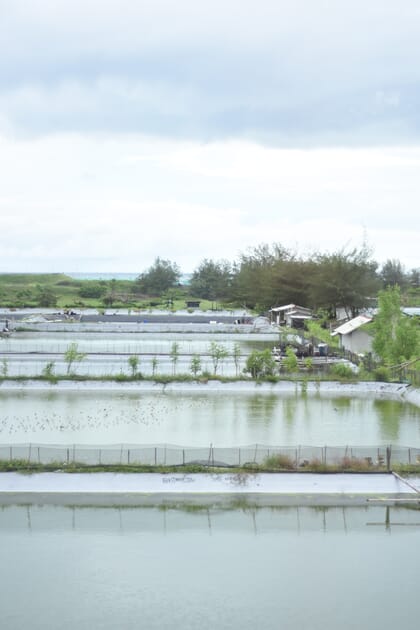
(290, 315)
(352, 335)
(193, 304)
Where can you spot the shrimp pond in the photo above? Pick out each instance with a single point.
(197, 418)
(319, 568)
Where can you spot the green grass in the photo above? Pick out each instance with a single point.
(20, 290)
(271, 465)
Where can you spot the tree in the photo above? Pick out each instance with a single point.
(217, 353)
(290, 362)
(155, 363)
(195, 365)
(92, 289)
(392, 273)
(160, 277)
(236, 354)
(212, 280)
(260, 363)
(133, 362)
(396, 337)
(174, 355)
(343, 279)
(414, 278)
(73, 355)
(46, 297)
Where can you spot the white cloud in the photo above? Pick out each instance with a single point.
(182, 129)
(117, 203)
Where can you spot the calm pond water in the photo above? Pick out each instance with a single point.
(131, 343)
(289, 568)
(198, 419)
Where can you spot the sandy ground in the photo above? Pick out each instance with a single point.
(198, 489)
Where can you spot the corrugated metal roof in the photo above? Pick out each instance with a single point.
(352, 325)
(288, 307)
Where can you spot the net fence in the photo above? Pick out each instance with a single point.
(211, 456)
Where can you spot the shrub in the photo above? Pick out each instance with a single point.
(260, 364)
(342, 370)
(290, 362)
(382, 374)
(48, 372)
(279, 462)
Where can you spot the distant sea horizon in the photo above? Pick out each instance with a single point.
(105, 275)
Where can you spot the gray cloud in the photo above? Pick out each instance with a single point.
(298, 73)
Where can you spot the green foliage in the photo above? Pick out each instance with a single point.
(290, 362)
(308, 363)
(218, 353)
(316, 330)
(342, 370)
(343, 279)
(260, 364)
(236, 354)
(133, 362)
(279, 461)
(160, 277)
(155, 363)
(382, 374)
(46, 297)
(72, 355)
(174, 355)
(212, 280)
(267, 276)
(393, 274)
(91, 289)
(48, 372)
(195, 365)
(396, 338)
(4, 368)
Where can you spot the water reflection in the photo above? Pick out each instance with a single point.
(180, 517)
(243, 568)
(389, 419)
(198, 418)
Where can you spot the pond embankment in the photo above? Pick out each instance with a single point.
(396, 390)
(244, 489)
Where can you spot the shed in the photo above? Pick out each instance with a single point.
(290, 315)
(352, 336)
(193, 304)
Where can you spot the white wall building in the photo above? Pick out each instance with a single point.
(353, 337)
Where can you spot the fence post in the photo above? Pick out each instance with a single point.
(155, 456)
(388, 458)
(29, 453)
(183, 457)
(100, 457)
(39, 458)
(11, 453)
(68, 456)
(409, 455)
(128, 456)
(239, 456)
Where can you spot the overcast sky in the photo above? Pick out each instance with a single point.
(188, 129)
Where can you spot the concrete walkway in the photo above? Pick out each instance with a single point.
(154, 489)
